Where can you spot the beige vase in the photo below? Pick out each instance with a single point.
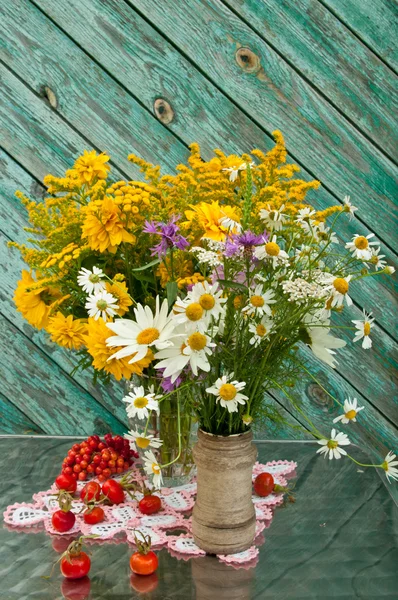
(224, 519)
(215, 580)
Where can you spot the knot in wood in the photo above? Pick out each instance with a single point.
(318, 396)
(163, 111)
(49, 95)
(247, 60)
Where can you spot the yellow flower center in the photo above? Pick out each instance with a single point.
(257, 301)
(140, 402)
(351, 414)
(197, 341)
(227, 391)
(207, 301)
(272, 249)
(385, 465)
(155, 468)
(142, 442)
(341, 285)
(332, 444)
(102, 304)
(361, 242)
(272, 215)
(194, 311)
(147, 336)
(261, 330)
(94, 278)
(366, 328)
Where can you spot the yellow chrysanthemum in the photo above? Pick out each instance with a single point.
(91, 166)
(35, 304)
(209, 217)
(104, 228)
(67, 331)
(97, 334)
(118, 289)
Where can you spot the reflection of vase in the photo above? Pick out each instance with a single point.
(165, 427)
(224, 519)
(215, 580)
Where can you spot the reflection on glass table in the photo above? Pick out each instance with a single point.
(338, 540)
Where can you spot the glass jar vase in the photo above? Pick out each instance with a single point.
(176, 450)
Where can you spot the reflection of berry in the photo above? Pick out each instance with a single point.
(98, 458)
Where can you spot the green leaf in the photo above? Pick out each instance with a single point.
(172, 291)
(143, 277)
(229, 283)
(147, 266)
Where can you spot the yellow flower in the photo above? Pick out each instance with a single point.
(209, 217)
(91, 166)
(97, 334)
(104, 228)
(67, 331)
(35, 301)
(118, 289)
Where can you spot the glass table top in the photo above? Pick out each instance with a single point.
(338, 540)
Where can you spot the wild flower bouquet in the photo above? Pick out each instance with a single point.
(204, 284)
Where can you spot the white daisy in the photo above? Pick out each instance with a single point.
(333, 446)
(273, 218)
(259, 301)
(260, 330)
(376, 259)
(228, 392)
(323, 233)
(233, 171)
(304, 219)
(91, 281)
(322, 344)
(143, 441)
(389, 270)
(390, 466)
(138, 336)
(139, 403)
(348, 207)
(209, 297)
(230, 224)
(192, 350)
(101, 304)
(351, 409)
(363, 330)
(361, 247)
(152, 467)
(190, 314)
(339, 287)
(271, 252)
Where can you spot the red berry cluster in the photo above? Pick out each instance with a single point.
(101, 459)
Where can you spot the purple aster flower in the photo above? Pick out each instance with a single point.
(169, 238)
(246, 240)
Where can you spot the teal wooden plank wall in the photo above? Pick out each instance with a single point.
(79, 74)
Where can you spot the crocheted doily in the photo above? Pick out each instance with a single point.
(122, 521)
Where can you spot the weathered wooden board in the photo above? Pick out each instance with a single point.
(375, 22)
(323, 50)
(121, 55)
(42, 391)
(372, 428)
(275, 95)
(14, 421)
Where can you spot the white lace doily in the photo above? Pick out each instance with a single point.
(122, 521)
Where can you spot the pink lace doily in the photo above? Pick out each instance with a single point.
(123, 520)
